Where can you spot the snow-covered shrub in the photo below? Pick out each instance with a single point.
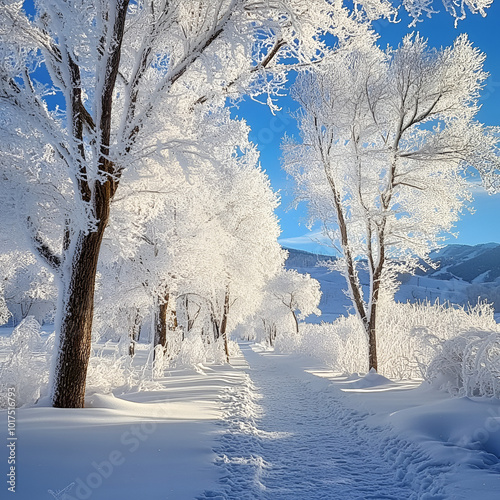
(108, 369)
(27, 364)
(468, 365)
(341, 345)
(194, 350)
(409, 337)
(411, 334)
(4, 311)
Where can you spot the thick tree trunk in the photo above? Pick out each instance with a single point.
(372, 344)
(223, 326)
(75, 329)
(79, 267)
(172, 322)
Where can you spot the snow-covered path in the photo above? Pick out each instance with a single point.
(300, 441)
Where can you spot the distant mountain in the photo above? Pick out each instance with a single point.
(464, 275)
(300, 258)
(479, 263)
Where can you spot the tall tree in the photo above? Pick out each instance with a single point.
(386, 137)
(291, 292)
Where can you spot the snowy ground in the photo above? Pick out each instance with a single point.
(152, 445)
(304, 433)
(268, 427)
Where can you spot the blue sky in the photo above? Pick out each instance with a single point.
(267, 130)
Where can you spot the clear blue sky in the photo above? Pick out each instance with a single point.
(267, 130)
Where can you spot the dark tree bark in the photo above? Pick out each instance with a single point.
(223, 326)
(75, 332)
(161, 323)
(296, 322)
(215, 326)
(135, 332)
(79, 266)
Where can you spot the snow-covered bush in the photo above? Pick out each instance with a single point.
(195, 351)
(341, 345)
(468, 365)
(410, 337)
(4, 311)
(28, 289)
(27, 364)
(109, 369)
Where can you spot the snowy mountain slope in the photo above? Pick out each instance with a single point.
(469, 263)
(464, 275)
(301, 258)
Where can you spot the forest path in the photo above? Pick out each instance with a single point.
(290, 437)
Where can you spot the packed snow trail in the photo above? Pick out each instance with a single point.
(299, 442)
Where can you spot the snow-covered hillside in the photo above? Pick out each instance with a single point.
(464, 275)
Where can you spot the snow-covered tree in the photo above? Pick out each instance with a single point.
(386, 136)
(289, 293)
(27, 287)
(252, 255)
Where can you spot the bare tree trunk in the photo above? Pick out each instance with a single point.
(215, 326)
(75, 329)
(172, 322)
(272, 334)
(372, 323)
(223, 326)
(25, 312)
(296, 321)
(372, 343)
(161, 323)
(189, 320)
(134, 332)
